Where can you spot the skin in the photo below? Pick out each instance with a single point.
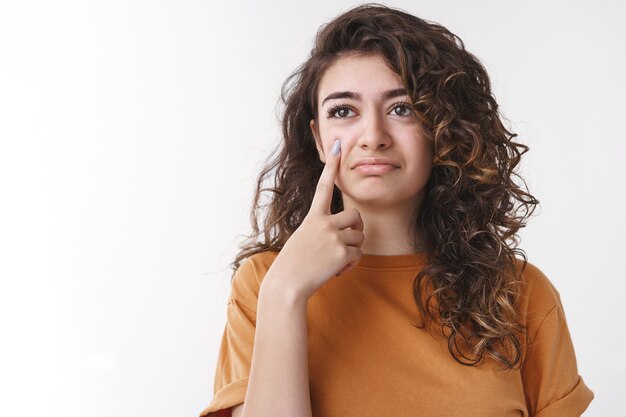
(373, 126)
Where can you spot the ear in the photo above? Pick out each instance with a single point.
(318, 141)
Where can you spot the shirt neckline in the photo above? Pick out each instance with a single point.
(405, 260)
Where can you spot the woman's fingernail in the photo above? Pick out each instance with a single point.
(336, 147)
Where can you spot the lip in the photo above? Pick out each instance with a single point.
(375, 169)
(376, 161)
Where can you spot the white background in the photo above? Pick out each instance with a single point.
(131, 133)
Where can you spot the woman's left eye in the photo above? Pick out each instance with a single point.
(402, 106)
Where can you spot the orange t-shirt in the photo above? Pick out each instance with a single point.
(367, 359)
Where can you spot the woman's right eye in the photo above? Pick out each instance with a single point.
(339, 111)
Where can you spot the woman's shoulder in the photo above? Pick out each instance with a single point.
(538, 295)
(256, 265)
(247, 278)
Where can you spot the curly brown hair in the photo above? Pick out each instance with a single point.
(469, 284)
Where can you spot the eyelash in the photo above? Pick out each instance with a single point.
(333, 109)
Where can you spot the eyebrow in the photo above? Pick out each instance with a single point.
(385, 95)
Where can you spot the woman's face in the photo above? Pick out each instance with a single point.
(354, 106)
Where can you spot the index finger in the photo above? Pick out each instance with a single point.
(324, 192)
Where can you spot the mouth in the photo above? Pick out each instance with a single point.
(375, 169)
(371, 160)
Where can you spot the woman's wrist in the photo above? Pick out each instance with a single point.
(281, 292)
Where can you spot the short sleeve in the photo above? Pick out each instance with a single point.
(552, 385)
(235, 354)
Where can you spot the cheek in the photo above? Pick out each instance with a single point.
(344, 131)
(421, 162)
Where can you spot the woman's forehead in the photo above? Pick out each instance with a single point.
(366, 77)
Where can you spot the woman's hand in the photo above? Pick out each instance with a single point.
(325, 245)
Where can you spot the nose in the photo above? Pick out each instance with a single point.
(374, 135)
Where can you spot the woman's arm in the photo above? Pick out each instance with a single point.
(278, 385)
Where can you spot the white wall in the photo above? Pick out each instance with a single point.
(130, 136)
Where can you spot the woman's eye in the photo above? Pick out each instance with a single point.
(338, 112)
(402, 106)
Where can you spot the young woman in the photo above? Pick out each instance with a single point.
(384, 280)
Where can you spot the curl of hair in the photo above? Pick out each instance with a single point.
(471, 214)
